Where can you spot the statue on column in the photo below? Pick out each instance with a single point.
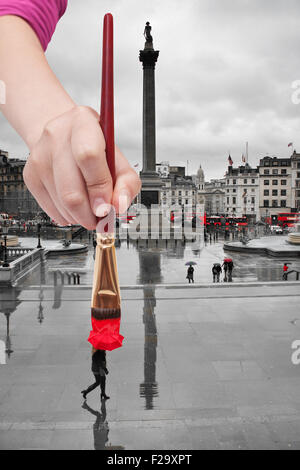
(147, 34)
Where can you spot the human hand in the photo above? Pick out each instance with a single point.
(68, 175)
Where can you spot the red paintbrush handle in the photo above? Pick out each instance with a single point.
(107, 93)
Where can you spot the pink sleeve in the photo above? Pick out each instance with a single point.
(42, 15)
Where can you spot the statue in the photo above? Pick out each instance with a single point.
(147, 33)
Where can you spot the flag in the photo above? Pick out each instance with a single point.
(136, 165)
(230, 160)
(290, 144)
(245, 193)
(243, 158)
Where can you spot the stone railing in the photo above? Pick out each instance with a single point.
(21, 266)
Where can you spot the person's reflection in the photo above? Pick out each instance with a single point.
(150, 272)
(8, 304)
(100, 426)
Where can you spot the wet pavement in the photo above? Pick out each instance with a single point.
(169, 258)
(201, 368)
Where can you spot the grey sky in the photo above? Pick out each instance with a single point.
(223, 76)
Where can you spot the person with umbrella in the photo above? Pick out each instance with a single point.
(100, 371)
(230, 268)
(190, 271)
(216, 270)
(285, 271)
(225, 267)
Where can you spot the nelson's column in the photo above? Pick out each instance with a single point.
(151, 183)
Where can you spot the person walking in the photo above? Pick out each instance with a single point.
(225, 268)
(100, 371)
(190, 274)
(285, 271)
(216, 270)
(230, 268)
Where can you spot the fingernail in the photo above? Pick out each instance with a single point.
(124, 201)
(101, 208)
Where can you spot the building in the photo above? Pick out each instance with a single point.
(214, 197)
(163, 169)
(275, 185)
(15, 199)
(295, 181)
(242, 192)
(178, 191)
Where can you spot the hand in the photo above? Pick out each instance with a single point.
(67, 172)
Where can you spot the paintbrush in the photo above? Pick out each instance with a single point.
(106, 299)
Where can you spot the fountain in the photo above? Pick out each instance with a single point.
(294, 237)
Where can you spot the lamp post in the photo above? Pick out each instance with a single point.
(5, 232)
(39, 221)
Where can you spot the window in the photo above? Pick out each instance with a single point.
(234, 190)
(266, 192)
(283, 182)
(228, 200)
(186, 201)
(253, 200)
(234, 200)
(186, 193)
(283, 203)
(274, 203)
(245, 181)
(275, 182)
(266, 172)
(266, 203)
(298, 174)
(283, 172)
(179, 193)
(227, 181)
(275, 163)
(275, 172)
(234, 181)
(266, 182)
(228, 190)
(274, 192)
(283, 192)
(253, 181)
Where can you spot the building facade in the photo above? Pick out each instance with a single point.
(295, 181)
(275, 186)
(242, 192)
(15, 199)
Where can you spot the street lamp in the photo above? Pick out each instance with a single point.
(5, 232)
(39, 221)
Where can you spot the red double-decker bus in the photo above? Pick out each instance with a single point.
(214, 221)
(237, 221)
(288, 219)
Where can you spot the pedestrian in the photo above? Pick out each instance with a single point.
(100, 371)
(73, 184)
(225, 267)
(216, 270)
(230, 268)
(190, 274)
(285, 271)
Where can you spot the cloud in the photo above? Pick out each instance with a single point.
(223, 76)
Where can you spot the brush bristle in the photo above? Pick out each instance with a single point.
(105, 313)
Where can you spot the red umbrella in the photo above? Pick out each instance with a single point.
(227, 260)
